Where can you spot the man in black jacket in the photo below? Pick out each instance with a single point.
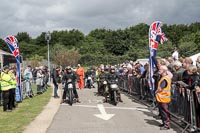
(69, 74)
(55, 76)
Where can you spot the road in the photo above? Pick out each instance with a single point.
(94, 116)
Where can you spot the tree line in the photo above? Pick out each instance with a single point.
(69, 47)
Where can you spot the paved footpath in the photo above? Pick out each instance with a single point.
(44, 119)
(93, 116)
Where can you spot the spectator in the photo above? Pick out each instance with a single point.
(163, 95)
(12, 74)
(178, 71)
(198, 61)
(28, 76)
(189, 77)
(175, 54)
(5, 87)
(140, 70)
(39, 81)
(55, 76)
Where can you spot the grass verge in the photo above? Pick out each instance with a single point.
(27, 110)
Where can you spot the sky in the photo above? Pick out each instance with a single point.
(37, 16)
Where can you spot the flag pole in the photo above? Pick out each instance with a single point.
(151, 80)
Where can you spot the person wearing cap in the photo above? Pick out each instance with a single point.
(80, 72)
(13, 86)
(163, 97)
(6, 82)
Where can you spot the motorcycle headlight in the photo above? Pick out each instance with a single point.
(113, 86)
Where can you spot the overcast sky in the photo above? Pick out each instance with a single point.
(36, 16)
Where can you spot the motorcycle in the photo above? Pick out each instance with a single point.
(89, 83)
(113, 93)
(70, 91)
(103, 88)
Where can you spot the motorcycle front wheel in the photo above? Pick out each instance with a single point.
(70, 98)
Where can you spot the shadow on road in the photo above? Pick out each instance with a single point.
(157, 123)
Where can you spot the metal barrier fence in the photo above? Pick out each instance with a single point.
(182, 106)
(27, 87)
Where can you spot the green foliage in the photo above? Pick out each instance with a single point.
(109, 46)
(4, 46)
(115, 43)
(71, 38)
(23, 36)
(26, 49)
(63, 56)
(165, 50)
(40, 40)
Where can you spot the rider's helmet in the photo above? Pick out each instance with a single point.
(112, 69)
(106, 68)
(101, 69)
(68, 69)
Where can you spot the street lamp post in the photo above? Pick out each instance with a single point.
(48, 38)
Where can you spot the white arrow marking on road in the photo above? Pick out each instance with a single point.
(89, 101)
(122, 108)
(103, 114)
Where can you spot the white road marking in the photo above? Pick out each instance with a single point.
(120, 108)
(103, 114)
(89, 101)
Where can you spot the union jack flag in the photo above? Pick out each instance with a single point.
(12, 44)
(14, 48)
(155, 36)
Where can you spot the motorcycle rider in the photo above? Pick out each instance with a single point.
(69, 74)
(89, 73)
(102, 77)
(112, 76)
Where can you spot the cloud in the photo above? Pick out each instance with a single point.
(34, 17)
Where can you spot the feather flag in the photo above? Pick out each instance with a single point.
(155, 36)
(14, 48)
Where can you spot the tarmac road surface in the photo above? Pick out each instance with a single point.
(94, 116)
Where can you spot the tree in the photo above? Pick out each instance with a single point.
(108, 46)
(4, 46)
(27, 49)
(98, 34)
(35, 60)
(63, 56)
(71, 38)
(23, 36)
(114, 44)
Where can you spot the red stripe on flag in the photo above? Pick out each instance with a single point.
(153, 26)
(12, 38)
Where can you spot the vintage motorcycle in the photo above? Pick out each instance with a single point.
(114, 98)
(70, 93)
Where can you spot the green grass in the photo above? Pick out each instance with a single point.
(27, 110)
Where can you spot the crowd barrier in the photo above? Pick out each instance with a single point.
(182, 106)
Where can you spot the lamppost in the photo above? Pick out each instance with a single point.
(48, 38)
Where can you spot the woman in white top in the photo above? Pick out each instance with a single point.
(39, 81)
